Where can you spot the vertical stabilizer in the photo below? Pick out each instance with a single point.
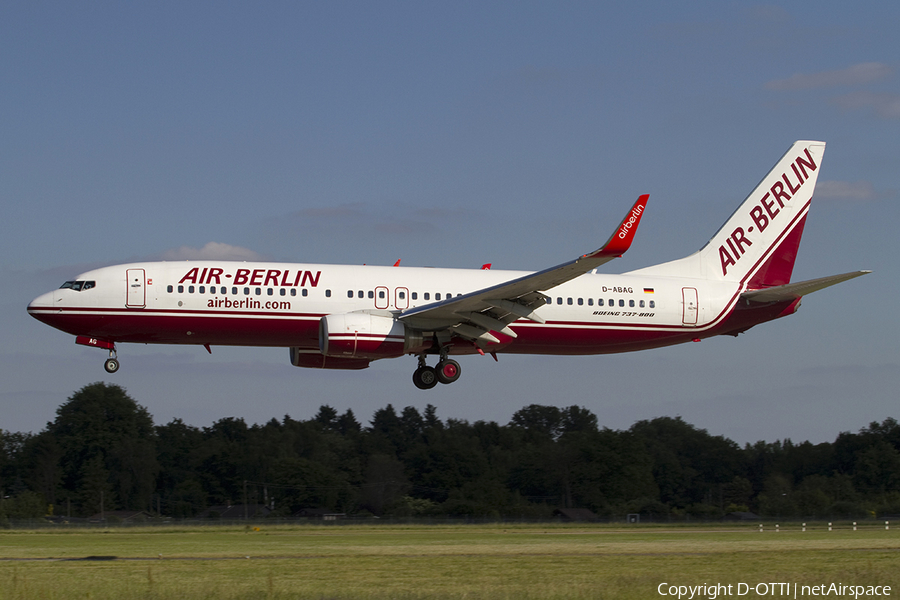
(758, 244)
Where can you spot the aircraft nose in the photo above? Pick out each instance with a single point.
(42, 302)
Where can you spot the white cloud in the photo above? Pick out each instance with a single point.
(854, 75)
(885, 105)
(857, 191)
(211, 251)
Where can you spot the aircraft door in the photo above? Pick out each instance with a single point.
(136, 296)
(689, 298)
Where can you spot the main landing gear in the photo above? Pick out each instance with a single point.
(446, 371)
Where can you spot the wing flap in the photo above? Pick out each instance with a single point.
(792, 291)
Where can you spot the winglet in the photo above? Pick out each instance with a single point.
(620, 241)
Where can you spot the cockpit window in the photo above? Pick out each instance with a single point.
(78, 286)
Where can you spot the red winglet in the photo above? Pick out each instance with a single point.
(622, 238)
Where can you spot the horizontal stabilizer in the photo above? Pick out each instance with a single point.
(792, 291)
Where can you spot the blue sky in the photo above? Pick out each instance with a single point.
(451, 134)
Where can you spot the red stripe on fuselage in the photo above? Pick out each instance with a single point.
(172, 327)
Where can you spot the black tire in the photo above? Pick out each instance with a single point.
(448, 371)
(425, 378)
(111, 365)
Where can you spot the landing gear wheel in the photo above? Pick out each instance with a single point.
(448, 371)
(111, 365)
(425, 378)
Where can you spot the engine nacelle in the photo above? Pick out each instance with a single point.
(312, 359)
(368, 336)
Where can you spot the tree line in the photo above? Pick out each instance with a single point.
(104, 451)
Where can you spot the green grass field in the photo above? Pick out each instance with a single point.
(412, 562)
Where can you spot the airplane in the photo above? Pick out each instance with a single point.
(346, 316)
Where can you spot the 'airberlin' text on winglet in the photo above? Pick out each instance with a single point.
(629, 223)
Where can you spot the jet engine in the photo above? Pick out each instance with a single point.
(366, 336)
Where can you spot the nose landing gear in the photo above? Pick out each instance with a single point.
(112, 363)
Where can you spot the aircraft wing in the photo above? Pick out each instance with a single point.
(792, 291)
(474, 315)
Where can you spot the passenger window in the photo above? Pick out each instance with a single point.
(402, 295)
(652, 304)
(612, 302)
(371, 294)
(569, 302)
(270, 291)
(202, 289)
(381, 294)
(169, 289)
(349, 293)
(360, 294)
(305, 292)
(631, 303)
(621, 303)
(426, 296)
(180, 289)
(558, 300)
(293, 291)
(259, 291)
(415, 295)
(642, 304)
(600, 302)
(233, 291)
(580, 301)
(437, 296)
(246, 291)
(590, 301)
(282, 291)
(190, 289)
(328, 293)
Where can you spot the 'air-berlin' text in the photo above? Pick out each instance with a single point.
(764, 212)
(263, 277)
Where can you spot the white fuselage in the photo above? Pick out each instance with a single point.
(280, 304)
